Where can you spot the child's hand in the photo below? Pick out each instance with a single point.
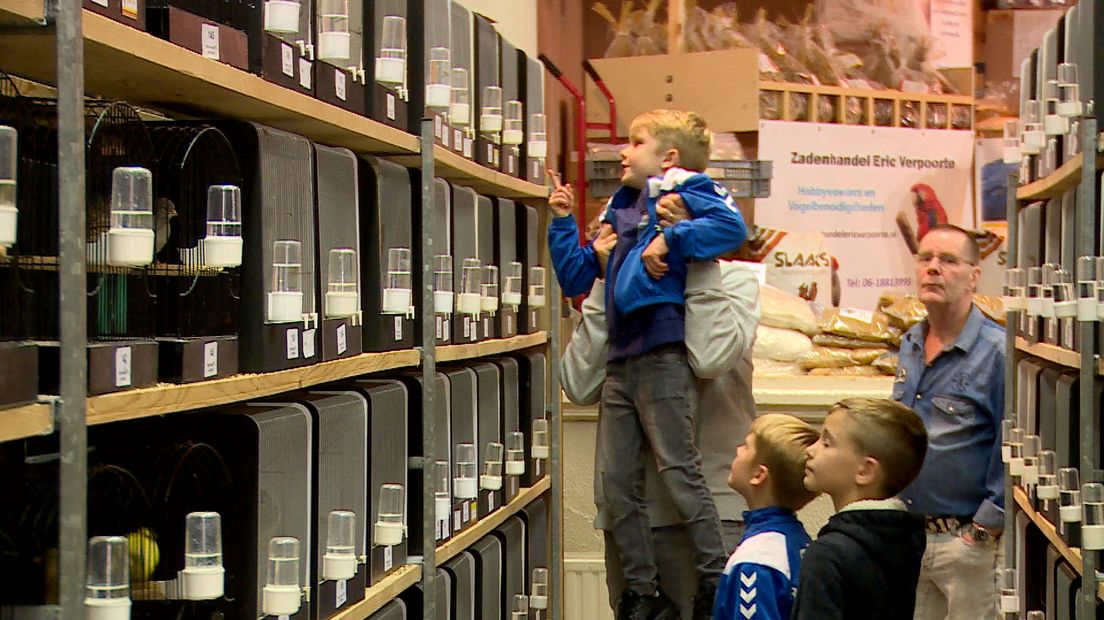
(671, 209)
(562, 200)
(603, 246)
(654, 256)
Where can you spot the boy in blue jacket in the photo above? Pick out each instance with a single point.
(647, 391)
(761, 577)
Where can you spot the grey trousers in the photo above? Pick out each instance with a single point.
(647, 399)
(675, 566)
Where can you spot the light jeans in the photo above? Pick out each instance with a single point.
(958, 580)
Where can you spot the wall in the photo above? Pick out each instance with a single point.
(516, 20)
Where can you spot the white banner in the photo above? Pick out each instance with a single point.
(870, 191)
(952, 27)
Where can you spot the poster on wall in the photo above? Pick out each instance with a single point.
(952, 27)
(991, 193)
(870, 193)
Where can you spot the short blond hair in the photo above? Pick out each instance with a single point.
(890, 433)
(780, 444)
(675, 129)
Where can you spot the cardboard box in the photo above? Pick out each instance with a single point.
(1010, 35)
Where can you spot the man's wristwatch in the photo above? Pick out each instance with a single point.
(979, 534)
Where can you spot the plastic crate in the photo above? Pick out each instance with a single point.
(743, 179)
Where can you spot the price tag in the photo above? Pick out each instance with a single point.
(209, 37)
(509, 323)
(456, 520)
(339, 84)
(467, 326)
(308, 343)
(458, 140)
(446, 330)
(486, 327)
(467, 511)
(496, 158)
(440, 527)
(102, 3)
(342, 343)
(474, 332)
(293, 344)
(388, 558)
(210, 359)
(342, 593)
(445, 133)
(468, 148)
(490, 153)
(398, 327)
(440, 327)
(390, 106)
(438, 127)
(287, 60)
(490, 503)
(512, 167)
(123, 377)
(130, 8)
(305, 73)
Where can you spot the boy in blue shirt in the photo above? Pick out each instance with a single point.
(647, 391)
(761, 577)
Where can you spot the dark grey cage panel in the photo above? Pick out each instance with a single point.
(461, 569)
(387, 233)
(393, 610)
(488, 556)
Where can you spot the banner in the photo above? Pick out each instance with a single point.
(870, 192)
(991, 210)
(952, 27)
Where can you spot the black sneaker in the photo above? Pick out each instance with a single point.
(635, 606)
(703, 599)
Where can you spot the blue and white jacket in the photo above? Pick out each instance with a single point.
(761, 578)
(716, 228)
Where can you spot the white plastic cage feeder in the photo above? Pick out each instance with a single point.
(1046, 290)
(488, 289)
(1032, 140)
(460, 98)
(222, 247)
(339, 563)
(1065, 303)
(469, 300)
(1069, 91)
(389, 528)
(282, 16)
(1034, 291)
(1030, 476)
(1009, 601)
(1086, 288)
(391, 62)
(520, 608)
(442, 504)
(515, 453)
(285, 301)
(1015, 295)
(342, 297)
(538, 136)
(9, 165)
(511, 284)
(1047, 487)
(491, 478)
(1069, 495)
(397, 294)
(1054, 124)
(204, 576)
(1011, 141)
(1092, 519)
(334, 39)
(513, 131)
(1100, 286)
(465, 485)
(438, 93)
(536, 287)
(443, 296)
(541, 448)
(281, 591)
(538, 597)
(490, 116)
(107, 581)
(130, 239)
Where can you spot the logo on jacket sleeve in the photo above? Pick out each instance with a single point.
(748, 592)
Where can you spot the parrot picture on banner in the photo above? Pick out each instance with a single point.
(929, 213)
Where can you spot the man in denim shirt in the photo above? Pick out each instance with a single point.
(951, 372)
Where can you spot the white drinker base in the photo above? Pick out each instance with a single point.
(1034, 306)
(1069, 514)
(107, 609)
(222, 252)
(1009, 604)
(1100, 311)
(465, 488)
(341, 304)
(490, 483)
(1016, 466)
(441, 509)
(280, 600)
(460, 114)
(513, 137)
(1046, 307)
(469, 303)
(536, 301)
(1092, 537)
(490, 123)
(1012, 155)
(390, 70)
(389, 534)
(541, 452)
(1065, 309)
(338, 566)
(203, 583)
(442, 302)
(285, 306)
(129, 247)
(1049, 491)
(511, 299)
(1032, 142)
(8, 218)
(538, 149)
(1069, 109)
(488, 304)
(515, 468)
(1086, 310)
(396, 300)
(334, 45)
(538, 602)
(437, 95)
(1006, 453)
(1054, 125)
(1030, 474)
(281, 16)
(1015, 303)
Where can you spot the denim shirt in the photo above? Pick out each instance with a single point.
(960, 397)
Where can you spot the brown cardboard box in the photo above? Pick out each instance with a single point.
(1010, 35)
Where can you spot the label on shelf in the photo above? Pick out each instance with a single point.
(490, 503)
(458, 143)
(467, 327)
(308, 343)
(342, 342)
(388, 557)
(130, 8)
(293, 344)
(509, 323)
(305, 73)
(398, 327)
(122, 367)
(440, 327)
(342, 593)
(490, 153)
(467, 511)
(445, 134)
(339, 84)
(438, 127)
(445, 333)
(487, 326)
(287, 60)
(210, 359)
(456, 520)
(390, 106)
(209, 40)
(468, 147)
(440, 528)
(102, 3)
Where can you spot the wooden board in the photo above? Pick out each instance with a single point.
(1065, 178)
(457, 352)
(380, 594)
(1051, 353)
(167, 398)
(26, 421)
(455, 168)
(485, 525)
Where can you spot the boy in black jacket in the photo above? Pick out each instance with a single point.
(866, 561)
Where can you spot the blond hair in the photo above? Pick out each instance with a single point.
(890, 433)
(675, 129)
(780, 444)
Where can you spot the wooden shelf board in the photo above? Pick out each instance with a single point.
(167, 398)
(1051, 353)
(1071, 554)
(453, 167)
(26, 421)
(1065, 178)
(485, 525)
(457, 352)
(380, 594)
